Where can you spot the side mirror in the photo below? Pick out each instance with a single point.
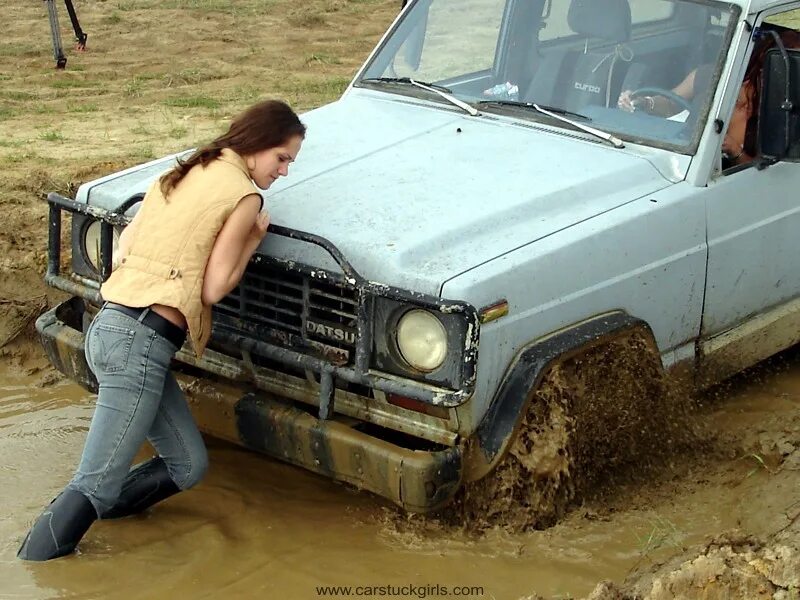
(779, 107)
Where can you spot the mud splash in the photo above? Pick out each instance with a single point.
(597, 421)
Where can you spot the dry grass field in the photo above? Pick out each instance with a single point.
(158, 76)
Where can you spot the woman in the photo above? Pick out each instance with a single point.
(187, 248)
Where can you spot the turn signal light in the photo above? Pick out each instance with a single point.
(493, 311)
(439, 412)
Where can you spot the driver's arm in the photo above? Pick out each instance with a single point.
(658, 105)
(685, 89)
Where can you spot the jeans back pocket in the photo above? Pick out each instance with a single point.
(111, 347)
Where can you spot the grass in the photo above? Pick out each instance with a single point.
(143, 153)
(210, 6)
(125, 100)
(6, 112)
(193, 102)
(759, 464)
(51, 136)
(246, 93)
(67, 83)
(322, 59)
(140, 130)
(17, 95)
(42, 108)
(191, 76)
(134, 86)
(306, 17)
(178, 132)
(21, 158)
(329, 87)
(663, 533)
(79, 107)
(19, 50)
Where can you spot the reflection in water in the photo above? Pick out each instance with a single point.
(256, 528)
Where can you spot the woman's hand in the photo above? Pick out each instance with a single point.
(735, 151)
(628, 103)
(731, 148)
(259, 229)
(625, 102)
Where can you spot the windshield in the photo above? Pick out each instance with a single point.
(644, 70)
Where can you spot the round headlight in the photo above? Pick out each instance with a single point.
(422, 340)
(91, 243)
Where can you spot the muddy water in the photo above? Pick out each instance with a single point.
(256, 528)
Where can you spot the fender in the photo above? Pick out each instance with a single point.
(524, 376)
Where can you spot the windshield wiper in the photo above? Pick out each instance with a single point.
(407, 81)
(440, 90)
(517, 103)
(559, 114)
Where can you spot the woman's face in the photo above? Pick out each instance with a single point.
(267, 165)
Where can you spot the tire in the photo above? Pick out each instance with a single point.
(591, 416)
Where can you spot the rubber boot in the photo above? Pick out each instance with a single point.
(144, 486)
(59, 528)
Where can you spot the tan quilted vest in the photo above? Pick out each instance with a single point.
(173, 240)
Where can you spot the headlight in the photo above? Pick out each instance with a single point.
(91, 243)
(422, 340)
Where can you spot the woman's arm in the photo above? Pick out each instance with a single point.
(237, 240)
(685, 89)
(125, 239)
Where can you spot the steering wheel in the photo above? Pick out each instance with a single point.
(680, 101)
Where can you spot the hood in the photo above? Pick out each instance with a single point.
(414, 195)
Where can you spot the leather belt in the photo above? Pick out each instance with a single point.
(165, 328)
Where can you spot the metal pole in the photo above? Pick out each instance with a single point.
(55, 32)
(80, 36)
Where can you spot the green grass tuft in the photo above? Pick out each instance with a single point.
(193, 102)
(51, 136)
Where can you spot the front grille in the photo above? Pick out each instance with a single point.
(294, 309)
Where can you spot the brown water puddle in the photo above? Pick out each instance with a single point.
(256, 528)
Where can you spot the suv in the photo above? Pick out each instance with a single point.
(477, 183)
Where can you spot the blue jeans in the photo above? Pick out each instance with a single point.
(138, 399)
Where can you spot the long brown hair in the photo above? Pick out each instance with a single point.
(754, 74)
(265, 125)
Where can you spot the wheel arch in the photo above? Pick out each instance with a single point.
(525, 373)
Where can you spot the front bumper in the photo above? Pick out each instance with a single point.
(416, 480)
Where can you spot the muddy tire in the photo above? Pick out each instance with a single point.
(590, 416)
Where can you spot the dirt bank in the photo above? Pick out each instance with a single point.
(736, 564)
(730, 566)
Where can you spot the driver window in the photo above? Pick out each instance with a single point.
(739, 145)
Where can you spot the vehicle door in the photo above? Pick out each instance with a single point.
(753, 224)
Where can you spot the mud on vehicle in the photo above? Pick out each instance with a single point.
(473, 236)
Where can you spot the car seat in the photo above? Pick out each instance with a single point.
(574, 78)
